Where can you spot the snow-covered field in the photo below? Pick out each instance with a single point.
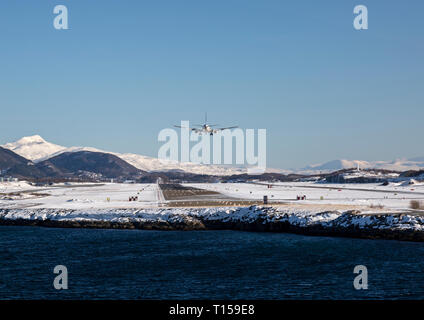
(80, 196)
(369, 210)
(7, 187)
(367, 197)
(371, 195)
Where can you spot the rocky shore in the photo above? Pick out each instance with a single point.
(393, 226)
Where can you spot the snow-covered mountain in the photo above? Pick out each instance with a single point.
(33, 148)
(337, 165)
(396, 165)
(37, 149)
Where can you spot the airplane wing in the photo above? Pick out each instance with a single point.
(193, 129)
(227, 128)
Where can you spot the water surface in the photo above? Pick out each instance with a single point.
(137, 264)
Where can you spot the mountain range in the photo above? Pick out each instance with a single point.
(82, 165)
(396, 165)
(36, 149)
(35, 157)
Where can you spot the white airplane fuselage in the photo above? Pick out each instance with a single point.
(205, 129)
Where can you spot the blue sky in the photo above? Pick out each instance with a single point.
(127, 69)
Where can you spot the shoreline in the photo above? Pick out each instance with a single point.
(349, 224)
(400, 235)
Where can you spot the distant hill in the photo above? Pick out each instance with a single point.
(334, 165)
(12, 164)
(338, 165)
(8, 159)
(86, 162)
(70, 165)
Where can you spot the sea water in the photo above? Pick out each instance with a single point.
(137, 264)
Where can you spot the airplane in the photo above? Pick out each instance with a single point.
(206, 128)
